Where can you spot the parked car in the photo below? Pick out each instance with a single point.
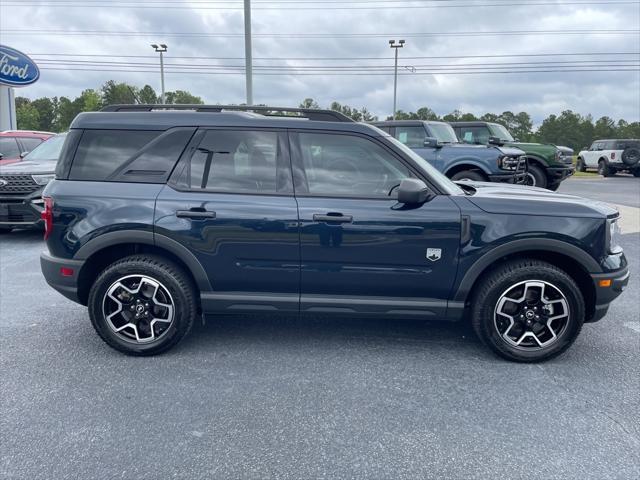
(437, 143)
(15, 144)
(22, 183)
(548, 166)
(156, 218)
(611, 157)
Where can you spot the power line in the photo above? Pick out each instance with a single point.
(294, 6)
(321, 35)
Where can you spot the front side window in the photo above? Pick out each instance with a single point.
(443, 132)
(234, 161)
(412, 137)
(475, 135)
(351, 166)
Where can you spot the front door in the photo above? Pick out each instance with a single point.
(230, 202)
(362, 251)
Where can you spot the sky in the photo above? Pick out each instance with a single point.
(321, 39)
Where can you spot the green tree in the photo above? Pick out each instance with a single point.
(27, 115)
(47, 108)
(605, 127)
(309, 103)
(182, 97)
(114, 93)
(147, 95)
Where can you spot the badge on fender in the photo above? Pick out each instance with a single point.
(434, 254)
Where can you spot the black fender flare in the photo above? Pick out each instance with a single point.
(148, 238)
(537, 158)
(523, 245)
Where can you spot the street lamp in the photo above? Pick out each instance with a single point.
(162, 48)
(396, 46)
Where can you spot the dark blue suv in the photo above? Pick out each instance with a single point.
(157, 217)
(437, 143)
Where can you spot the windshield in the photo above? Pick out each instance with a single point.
(443, 182)
(443, 132)
(49, 150)
(500, 132)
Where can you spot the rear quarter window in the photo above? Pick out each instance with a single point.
(140, 156)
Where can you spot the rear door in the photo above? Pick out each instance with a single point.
(230, 202)
(361, 251)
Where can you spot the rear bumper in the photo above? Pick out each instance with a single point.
(607, 294)
(67, 284)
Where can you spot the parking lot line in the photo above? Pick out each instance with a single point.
(635, 326)
(630, 222)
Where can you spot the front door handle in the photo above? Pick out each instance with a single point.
(332, 218)
(195, 213)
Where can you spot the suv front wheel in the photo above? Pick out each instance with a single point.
(142, 305)
(528, 310)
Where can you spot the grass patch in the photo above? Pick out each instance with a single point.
(587, 174)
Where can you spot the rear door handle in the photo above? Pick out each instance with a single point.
(195, 213)
(336, 218)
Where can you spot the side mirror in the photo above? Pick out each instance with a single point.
(1, 155)
(431, 142)
(413, 191)
(495, 141)
(23, 154)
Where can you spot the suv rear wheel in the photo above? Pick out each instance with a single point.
(528, 311)
(603, 169)
(142, 305)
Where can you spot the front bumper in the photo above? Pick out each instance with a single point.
(608, 287)
(558, 174)
(67, 283)
(21, 211)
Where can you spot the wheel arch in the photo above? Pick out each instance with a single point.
(467, 165)
(100, 252)
(574, 261)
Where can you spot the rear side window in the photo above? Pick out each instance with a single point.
(128, 155)
(235, 161)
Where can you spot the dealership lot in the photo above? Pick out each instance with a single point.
(288, 398)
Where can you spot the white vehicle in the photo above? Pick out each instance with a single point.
(611, 156)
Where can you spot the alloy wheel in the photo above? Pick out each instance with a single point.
(138, 308)
(531, 315)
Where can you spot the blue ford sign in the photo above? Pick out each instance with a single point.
(16, 68)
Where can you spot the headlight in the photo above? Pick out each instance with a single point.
(559, 155)
(613, 236)
(43, 179)
(508, 163)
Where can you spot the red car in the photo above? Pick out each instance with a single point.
(15, 144)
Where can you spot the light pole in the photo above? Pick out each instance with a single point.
(395, 46)
(162, 48)
(248, 60)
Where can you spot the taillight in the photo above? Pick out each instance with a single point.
(47, 216)
(613, 155)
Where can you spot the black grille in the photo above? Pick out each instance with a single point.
(17, 184)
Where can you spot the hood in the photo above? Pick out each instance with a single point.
(522, 200)
(530, 146)
(505, 150)
(29, 166)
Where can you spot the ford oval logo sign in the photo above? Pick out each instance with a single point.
(16, 68)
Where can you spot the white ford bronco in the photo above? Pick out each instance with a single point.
(611, 156)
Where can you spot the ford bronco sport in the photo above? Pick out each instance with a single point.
(161, 214)
(437, 143)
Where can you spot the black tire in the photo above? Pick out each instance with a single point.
(603, 168)
(554, 186)
(171, 277)
(469, 175)
(580, 166)
(536, 177)
(636, 172)
(509, 275)
(631, 156)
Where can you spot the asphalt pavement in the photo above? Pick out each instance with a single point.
(286, 398)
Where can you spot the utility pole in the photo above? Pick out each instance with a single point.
(248, 60)
(162, 48)
(395, 46)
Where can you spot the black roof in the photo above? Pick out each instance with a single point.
(163, 117)
(474, 123)
(391, 123)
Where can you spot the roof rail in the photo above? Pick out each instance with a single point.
(308, 113)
